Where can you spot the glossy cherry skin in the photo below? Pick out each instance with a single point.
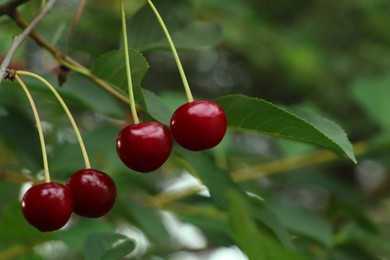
(198, 125)
(47, 206)
(144, 147)
(93, 192)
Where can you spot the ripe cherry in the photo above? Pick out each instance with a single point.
(144, 147)
(93, 192)
(198, 125)
(47, 206)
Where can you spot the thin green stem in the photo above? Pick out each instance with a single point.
(77, 69)
(127, 61)
(67, 111)
(74, 66)
(174, 52)
(39, 126)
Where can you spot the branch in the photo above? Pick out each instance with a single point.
(68, 61)
(74, 22)
(9, 7)
(18, 40)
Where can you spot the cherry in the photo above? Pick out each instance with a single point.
(144, 147)
(47, 206)
(93, 192)
(198, 125)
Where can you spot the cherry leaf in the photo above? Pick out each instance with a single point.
(260, 116)
(244, 230)
(111, 68)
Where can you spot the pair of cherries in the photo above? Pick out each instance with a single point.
(196, 126)
(88, 193)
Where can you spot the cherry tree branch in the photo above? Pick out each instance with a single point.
(18, 40)
(68, 61)
(9, 7)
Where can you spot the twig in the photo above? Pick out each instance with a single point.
(74, 22)
(9, 7)
(68, 61)
(18, 40)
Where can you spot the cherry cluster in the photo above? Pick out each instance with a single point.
(196, 126)
(142, 146)
(88, 193)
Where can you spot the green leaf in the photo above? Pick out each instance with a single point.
(111, 68)
(253, 241)
(156, 107)
(260, 116)
(173, 99)
(243, 228)
(264, 214)
(107, 246)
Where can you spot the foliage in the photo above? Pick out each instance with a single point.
(287, 182)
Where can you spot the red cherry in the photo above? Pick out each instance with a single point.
(47, 206)
(93, 192)
(144, 147)
(198, 125)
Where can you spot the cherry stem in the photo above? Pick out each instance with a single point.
(175, 55)
(127, 62)
(83, 71)
(39, 126)
(77, 69)
(67, 111)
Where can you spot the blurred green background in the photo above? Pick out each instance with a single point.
(331, 58)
